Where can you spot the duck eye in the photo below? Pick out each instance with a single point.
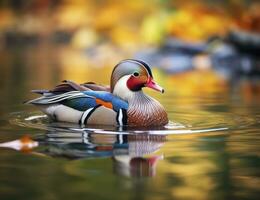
(136, 74)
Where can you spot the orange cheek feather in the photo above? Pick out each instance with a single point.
(104, 103)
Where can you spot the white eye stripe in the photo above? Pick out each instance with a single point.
(121, 90)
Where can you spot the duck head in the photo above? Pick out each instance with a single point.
(130, 76)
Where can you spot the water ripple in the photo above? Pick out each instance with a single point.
(39, 121)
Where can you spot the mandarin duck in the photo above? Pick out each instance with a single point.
(123, 103)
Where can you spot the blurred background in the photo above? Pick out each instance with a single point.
(204, 53)
(206, 45)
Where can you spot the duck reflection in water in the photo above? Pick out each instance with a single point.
(132, 155)
(133, 159)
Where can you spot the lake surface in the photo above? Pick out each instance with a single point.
(210, 151)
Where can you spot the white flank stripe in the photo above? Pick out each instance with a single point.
(85, 114)
(120, 117)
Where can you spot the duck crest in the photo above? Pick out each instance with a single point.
(145, 111)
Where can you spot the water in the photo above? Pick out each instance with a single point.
(210, 150)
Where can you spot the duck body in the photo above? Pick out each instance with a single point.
(123, 103)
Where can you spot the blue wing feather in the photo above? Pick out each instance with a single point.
(108, 97)
(82, 100)
(84, 103)
(119, 104)
(105, 96)
(80, 104)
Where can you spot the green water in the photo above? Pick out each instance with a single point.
(70, 164)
